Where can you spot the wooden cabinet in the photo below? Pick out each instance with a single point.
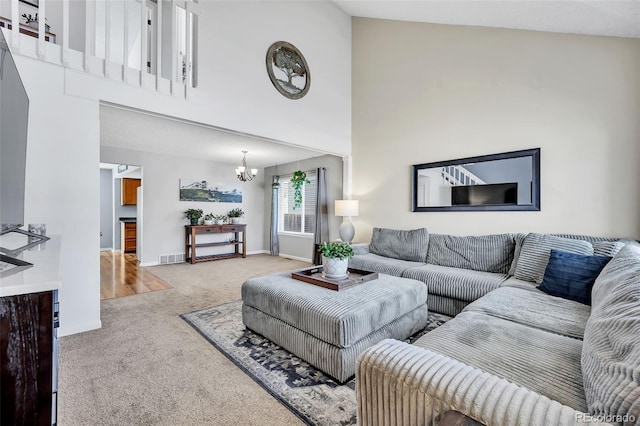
(129, 237)
(200, 232)
(129, 194)
(28, 359)
(28, 337)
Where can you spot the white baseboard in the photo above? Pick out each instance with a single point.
(302, 259)
(68, 331)
(107, 249)
(257, 252)
(249, 253)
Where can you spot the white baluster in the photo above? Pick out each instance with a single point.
(65, 33)
(158, 63)
(107, 38)
(125, 41)
(15, 22)
(143, 39)
(42, 20)
(187, 53)
(89, 33)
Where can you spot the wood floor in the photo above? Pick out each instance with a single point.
(120, 276)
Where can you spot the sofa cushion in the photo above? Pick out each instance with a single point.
(400, 244)
(571, 275)
(446, 305)
(461, 284)
(360, 248)
(588, 238)
(606, 248)
(536, 248)
(519, 240)
(488, 253)
(521, 284)
(611, 351)
(543, 362)
(534, 308)
(386, 265)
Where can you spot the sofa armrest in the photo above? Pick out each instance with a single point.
(401, 384)
(360, 248)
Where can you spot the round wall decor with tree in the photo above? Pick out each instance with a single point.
(288, 70)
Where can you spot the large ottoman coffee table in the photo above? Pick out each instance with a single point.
(328, 328)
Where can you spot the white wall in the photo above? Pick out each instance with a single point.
(426, 92)
(106, 209)
(63, 186)
(234, 91)
(163, 219)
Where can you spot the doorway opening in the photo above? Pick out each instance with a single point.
(121, 227)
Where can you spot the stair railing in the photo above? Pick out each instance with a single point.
(459, 175)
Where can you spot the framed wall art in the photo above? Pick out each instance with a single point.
(203, 190)
(288, 70)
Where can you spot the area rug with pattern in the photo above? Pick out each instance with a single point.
(314, 397)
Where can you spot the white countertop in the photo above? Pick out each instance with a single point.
(44, 275)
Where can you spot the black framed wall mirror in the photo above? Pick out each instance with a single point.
(508, 181)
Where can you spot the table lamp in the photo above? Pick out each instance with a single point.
(346, 209)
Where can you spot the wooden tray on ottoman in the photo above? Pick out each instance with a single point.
(314, 276)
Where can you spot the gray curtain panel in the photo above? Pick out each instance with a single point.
(322, 216)
(274, 245)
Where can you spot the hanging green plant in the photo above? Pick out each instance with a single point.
(297, 181)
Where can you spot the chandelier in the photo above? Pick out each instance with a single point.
(242, 172)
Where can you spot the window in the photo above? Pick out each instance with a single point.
(301, 220)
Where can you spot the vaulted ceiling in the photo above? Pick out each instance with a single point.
(144, 132)
(601, 17)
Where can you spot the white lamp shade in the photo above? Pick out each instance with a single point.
(347, 208)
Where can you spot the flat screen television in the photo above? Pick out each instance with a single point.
(14, 115)
(489, 194)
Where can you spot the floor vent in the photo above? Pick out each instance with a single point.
(166, 259)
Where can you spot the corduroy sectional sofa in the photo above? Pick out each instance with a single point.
(513, 354)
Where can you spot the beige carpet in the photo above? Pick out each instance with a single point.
(147, 366)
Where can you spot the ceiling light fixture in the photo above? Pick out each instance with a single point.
(242, 172)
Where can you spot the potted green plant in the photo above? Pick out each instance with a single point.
(219, 218)
(298, 179)
(209, 219)
(335, 259)
(193, 215)
(235, 215)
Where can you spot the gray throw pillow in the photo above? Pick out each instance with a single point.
(611, 345)
(399, 244)
(535, 252)
(519, 240)
(487, 253)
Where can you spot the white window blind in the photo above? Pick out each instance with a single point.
(302, 219)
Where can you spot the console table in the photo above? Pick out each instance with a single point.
(194, 232)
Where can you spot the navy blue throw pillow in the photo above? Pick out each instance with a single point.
(571, 275)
